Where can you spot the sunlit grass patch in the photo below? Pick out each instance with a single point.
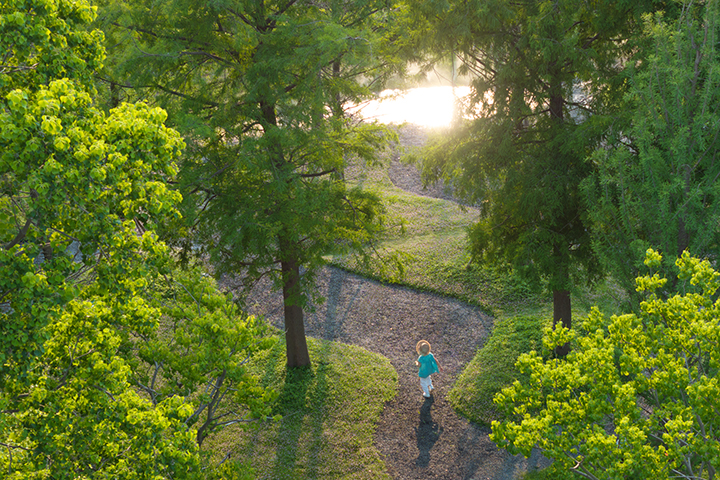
(416, 215)
(329, 411)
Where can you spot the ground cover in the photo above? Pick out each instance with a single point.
(329, 415)
(493, 367)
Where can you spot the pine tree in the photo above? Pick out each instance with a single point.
(545, 73)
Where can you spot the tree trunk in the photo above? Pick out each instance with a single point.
(562, 313)
(296, 344)
(683, 237)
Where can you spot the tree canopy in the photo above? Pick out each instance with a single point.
(80, 193)
(544, 74)
(656, 176)
(638, 397)
(259, 90)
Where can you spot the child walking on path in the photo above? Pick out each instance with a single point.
(427, 366)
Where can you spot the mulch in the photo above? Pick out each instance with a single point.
(419, 438)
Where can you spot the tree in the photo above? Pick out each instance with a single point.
(639, 396)
(200, 351)
(656, 179)
(74, 177)
(80, 193)
(544, 73)
(259, 90)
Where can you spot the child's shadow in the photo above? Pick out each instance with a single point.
(427, 433)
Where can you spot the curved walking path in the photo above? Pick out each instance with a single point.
(420, 439)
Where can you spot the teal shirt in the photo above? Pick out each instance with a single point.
(428, 365)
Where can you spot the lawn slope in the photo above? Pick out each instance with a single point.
(329, 415)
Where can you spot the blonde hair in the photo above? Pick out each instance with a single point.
(422, 347)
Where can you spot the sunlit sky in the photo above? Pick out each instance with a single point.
(427, 106)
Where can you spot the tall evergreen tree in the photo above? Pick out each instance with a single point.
(657, 176)
(259, 89)
(544, 73)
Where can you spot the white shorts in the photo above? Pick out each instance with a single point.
(426, 385)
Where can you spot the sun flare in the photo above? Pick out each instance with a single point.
(428, 106)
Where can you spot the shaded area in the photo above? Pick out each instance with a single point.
(321, 434)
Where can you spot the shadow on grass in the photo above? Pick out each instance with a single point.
(302, 402)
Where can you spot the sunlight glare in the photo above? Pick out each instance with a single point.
(425, 106)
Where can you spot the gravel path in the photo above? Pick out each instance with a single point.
(420, 439)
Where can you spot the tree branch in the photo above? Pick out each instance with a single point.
(319, 174)
(20, 236)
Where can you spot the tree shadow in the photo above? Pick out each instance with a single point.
(427, 433)
(338, 306)
(291, 404)
(302, 404)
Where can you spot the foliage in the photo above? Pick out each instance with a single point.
(545, 74)
(638, 397)
(80, 193)
(493, 367)
(330, 412)
(656, 181)
(72, 176)
(45, 40)
(259, 90)
(200, 351)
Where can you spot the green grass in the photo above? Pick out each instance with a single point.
(429, 236)
(329, 414)
(493, 367)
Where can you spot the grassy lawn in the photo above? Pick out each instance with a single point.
(329, 414)
(493, 367)
(429, 236)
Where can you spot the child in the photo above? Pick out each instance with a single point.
(428, 365)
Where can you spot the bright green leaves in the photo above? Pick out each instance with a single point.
(638, 395)
(72, 268)
(65, 149)
(200, 351)
(17, 99)
(79, 192)
(82, 412)
(42, 40)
